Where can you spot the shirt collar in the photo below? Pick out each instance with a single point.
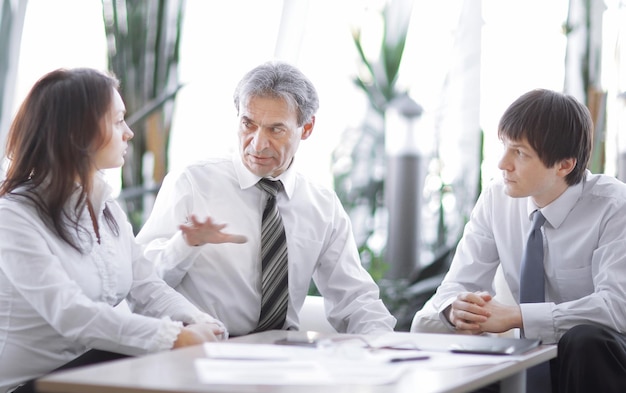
(248, 179)
(101, 191)
(556, 212)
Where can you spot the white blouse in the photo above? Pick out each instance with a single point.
(56, 303)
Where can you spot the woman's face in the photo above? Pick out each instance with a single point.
(116, 135)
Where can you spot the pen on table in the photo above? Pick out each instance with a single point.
(409, 359)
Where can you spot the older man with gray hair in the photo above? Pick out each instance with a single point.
(289, 229)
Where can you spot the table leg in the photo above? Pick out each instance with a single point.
(516, 383)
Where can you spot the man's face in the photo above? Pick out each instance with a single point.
(269, 135)
(525, 175)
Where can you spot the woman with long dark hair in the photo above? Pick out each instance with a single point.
(67, 252)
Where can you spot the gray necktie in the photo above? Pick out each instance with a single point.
(532, 275)
(274, 280)
(532, 282)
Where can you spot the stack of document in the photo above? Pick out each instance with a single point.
(259, 364)
(335, 363)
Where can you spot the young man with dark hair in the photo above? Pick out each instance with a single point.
(577, 251)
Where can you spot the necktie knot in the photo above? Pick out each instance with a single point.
(270, 186)
(538, 220)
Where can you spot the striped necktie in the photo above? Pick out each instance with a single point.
(274, 280)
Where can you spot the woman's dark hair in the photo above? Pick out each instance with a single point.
(58, 127)
(555, 125)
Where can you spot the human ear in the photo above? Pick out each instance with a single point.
(564, 167)
(307, 128)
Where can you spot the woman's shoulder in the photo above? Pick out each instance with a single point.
(19, 200)
(17, 210)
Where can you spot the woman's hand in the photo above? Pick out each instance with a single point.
(197, 334)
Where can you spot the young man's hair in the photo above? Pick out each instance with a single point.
(555, 125)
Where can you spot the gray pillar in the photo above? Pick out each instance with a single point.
(404, 183)
(404, 187)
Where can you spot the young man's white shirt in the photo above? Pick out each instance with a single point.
(584, 256)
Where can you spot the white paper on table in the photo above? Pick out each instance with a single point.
(436, 360)
(241, 351)
(294, 372)
(364, 372)
(445, 360)
(341, 352)
(251, 372)
(266, 364)
(441, 358)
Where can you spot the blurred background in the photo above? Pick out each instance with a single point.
(411, 92)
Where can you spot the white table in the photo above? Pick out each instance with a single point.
(174, 371)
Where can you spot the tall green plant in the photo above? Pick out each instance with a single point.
(379, 76)
(583, 64)
(359, 160)
(144, 40)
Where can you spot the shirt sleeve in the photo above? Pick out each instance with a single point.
(40, 278)
(472, 269)
(604, 304)
(163, 242)
(351, 297)
(429, 320)
(151, 296)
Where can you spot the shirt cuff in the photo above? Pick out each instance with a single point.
(179, 246)
(167, 334)
(206, 318)
(442, 315)
(537, 322)
(177, 258)
(446, 323)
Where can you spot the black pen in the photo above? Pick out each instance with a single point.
(410, 359)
